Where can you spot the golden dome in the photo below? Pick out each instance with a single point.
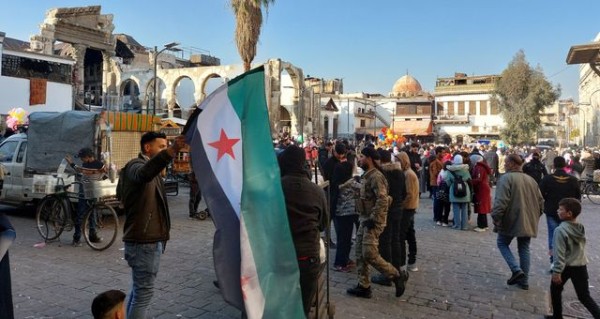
(406, 86)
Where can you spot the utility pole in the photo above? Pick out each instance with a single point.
(171, 47)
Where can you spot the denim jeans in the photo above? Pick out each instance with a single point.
(553, 222)
(503, 243)
(82, 206)
(343, 229)
(436, 203)
(460, 215)
(144, 260)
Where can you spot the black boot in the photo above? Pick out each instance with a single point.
(381, 280)
(400, 283)
(360, 291)
(94, 238)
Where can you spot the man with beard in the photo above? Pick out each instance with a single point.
(372, 207)
(389, 240)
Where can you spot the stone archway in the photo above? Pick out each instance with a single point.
(130, 93)
(156, 103)
(183, 97)
(211, 83)
(86, 30)
(285, 120)
(273, 70)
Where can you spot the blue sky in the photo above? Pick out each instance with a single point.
(370, 44)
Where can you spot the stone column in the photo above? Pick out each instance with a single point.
(78, 54)
(273, 93)
(106, 70)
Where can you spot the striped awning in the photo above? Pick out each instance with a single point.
(132, 122)
(418, 128)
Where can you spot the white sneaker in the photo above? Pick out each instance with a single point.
(479, 230)
(412, 267)
(444, 225)
(439, 223)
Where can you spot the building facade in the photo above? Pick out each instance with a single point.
(412, 110)
(33, 81)
(464, 111)
(589, 102)
(558, 124)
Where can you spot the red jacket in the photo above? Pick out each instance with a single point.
(481, 187)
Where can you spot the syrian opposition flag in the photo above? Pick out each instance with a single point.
(237, 171)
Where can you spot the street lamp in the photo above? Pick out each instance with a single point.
(171, 47)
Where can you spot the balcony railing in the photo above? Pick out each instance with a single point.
(368, 114)
(467, 88)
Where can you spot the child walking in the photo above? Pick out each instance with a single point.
(570, 260)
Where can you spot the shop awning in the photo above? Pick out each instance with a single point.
(418, 128)
(132, 122)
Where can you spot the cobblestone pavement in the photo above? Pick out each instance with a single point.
(461, 274)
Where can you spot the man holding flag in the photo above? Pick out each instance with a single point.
(232, 153)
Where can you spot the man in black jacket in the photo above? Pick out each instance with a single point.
(147, 220)
(307, 214)
(555, 187)
(535, 168)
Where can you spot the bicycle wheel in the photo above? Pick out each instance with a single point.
(593, 193)
(51, 217)
(104, 224)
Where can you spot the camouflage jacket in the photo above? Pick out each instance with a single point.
(374, 199)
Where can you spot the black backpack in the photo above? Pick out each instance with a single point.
(460, 187)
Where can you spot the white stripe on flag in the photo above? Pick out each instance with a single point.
(228, 171)
(254, 299)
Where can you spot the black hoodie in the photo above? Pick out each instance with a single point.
(556, 187)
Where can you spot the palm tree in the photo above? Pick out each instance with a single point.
(248, 16)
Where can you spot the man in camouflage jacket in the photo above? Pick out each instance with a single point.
(372, 207)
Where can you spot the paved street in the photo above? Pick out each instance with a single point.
(461, 275)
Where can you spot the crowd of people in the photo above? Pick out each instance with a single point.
(374, 194)
(379, 204)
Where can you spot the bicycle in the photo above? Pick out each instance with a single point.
(591, 189)
(55, 214)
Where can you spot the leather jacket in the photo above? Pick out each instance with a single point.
(147, 217)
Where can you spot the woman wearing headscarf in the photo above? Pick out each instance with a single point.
(482, 197)
(460, 204)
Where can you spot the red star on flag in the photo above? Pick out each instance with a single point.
(224, 145)
(244, 282)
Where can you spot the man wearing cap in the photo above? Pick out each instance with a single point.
(372, 207)
(89, 166)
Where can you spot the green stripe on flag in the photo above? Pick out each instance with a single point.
(263, 206)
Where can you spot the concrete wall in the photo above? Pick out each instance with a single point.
(15, 93)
